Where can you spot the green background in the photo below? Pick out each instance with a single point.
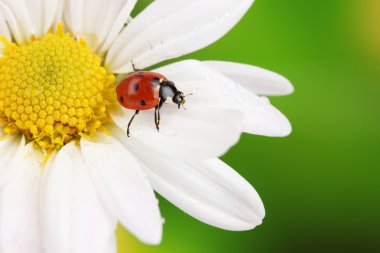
(320, 185)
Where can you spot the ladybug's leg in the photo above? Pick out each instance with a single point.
(158, 110)
(130, 122)
(134, 68)
(162, 101)
(157, 117)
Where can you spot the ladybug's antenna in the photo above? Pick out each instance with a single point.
(184, 101)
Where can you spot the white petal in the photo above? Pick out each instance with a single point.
(12, 150)
(210, 191)
(19, 224)
(196, 133)
(20, 33)
(212, 89)
(53, 11)
(34, 17)
(4, 30)
(169, 28)
(116, 19)
(255, 79)
(73, 12)
(98, 21)
(73, 218)
(18, 10)
(123, 188)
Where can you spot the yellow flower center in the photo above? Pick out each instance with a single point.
(53, 90)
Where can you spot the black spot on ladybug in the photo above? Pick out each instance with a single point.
(136, 86)
(155, 82)
(121, 99)
(142, 103)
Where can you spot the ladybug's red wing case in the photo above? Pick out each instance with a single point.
(140, 90)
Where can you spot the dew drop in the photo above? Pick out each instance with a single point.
(129, 20)
(209, 78)
(231, 85)
(170, 133)
(226, 92)
(34, 179)
(252, 102)
(240, 100)
(195, 90)
(137, 131)
(264, 100)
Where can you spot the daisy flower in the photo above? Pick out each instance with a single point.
(68, 171)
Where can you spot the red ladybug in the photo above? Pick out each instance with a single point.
(143, 90)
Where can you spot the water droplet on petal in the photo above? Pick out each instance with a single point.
(240, 100)
(129, 20)
(252, 102)
(226, 92)
(264, 100)
(195, 90)
(138, 131)
(231, 85)
(170, 133)
(209, 78)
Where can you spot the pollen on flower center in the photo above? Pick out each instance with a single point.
(53, 89)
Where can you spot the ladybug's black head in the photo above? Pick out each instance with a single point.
(179, 98)
(168, 90)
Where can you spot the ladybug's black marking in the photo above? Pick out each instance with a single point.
(155, 82)
(136, 86)
(142, 103)
(121, 99)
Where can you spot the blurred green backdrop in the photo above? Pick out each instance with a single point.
(320, 186)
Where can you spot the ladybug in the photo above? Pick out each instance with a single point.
(144, 90)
